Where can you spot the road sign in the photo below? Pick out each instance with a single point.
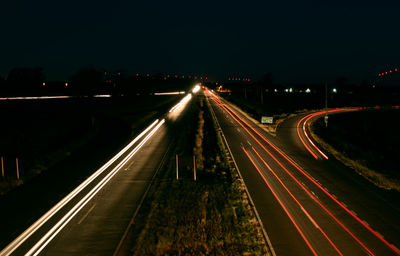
(267, 119)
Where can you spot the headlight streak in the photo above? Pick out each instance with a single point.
(34, 227)
(41, 244)
(169, 93)
(181, 103)
(196, 89)
(53, 97)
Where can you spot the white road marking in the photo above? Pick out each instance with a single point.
(309, 217)
(84, 216)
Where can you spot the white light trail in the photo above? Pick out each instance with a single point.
(41, 244)
(53, 97)
(169, 93)
(102, 96)
(196, 89)
(181, 103)
(34, 227)
(37, 98)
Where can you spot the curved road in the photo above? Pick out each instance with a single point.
(308, 206)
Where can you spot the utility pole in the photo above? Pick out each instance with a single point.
(326, 105)
(262, 95)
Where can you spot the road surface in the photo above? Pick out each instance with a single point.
(298, 205)
(92, 219)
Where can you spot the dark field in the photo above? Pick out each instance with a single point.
(44, 133)
(370, 137)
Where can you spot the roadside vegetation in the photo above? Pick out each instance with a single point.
(47, 136)
(209, 216)
(367, 141)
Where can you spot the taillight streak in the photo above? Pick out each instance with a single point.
(230, 111)
(282, 205)
(298, 203)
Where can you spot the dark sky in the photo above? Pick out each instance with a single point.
(295, 42)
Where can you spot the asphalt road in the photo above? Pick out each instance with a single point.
(93, 218)
(308, 206)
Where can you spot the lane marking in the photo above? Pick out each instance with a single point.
(320, 187)
(84, 216)
(304, 173)
(311, 219)
(282, 205)
(49, 236)
(42, 220)
(298, 203)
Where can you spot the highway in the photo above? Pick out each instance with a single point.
(93, 218)
(308, 205)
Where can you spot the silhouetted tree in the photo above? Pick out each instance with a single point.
(341, 82)
(26, 80)
(86, 81)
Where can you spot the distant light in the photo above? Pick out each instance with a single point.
(196, 89)
(308, 90)
(334, 90)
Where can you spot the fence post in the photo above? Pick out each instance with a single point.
(194, 167)
(177, 176)
(2, 167)
(16, 162)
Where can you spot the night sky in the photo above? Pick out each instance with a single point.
(295, 42)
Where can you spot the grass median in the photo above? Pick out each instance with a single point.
(202, 217)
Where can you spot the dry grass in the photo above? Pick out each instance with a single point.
(209, 216)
